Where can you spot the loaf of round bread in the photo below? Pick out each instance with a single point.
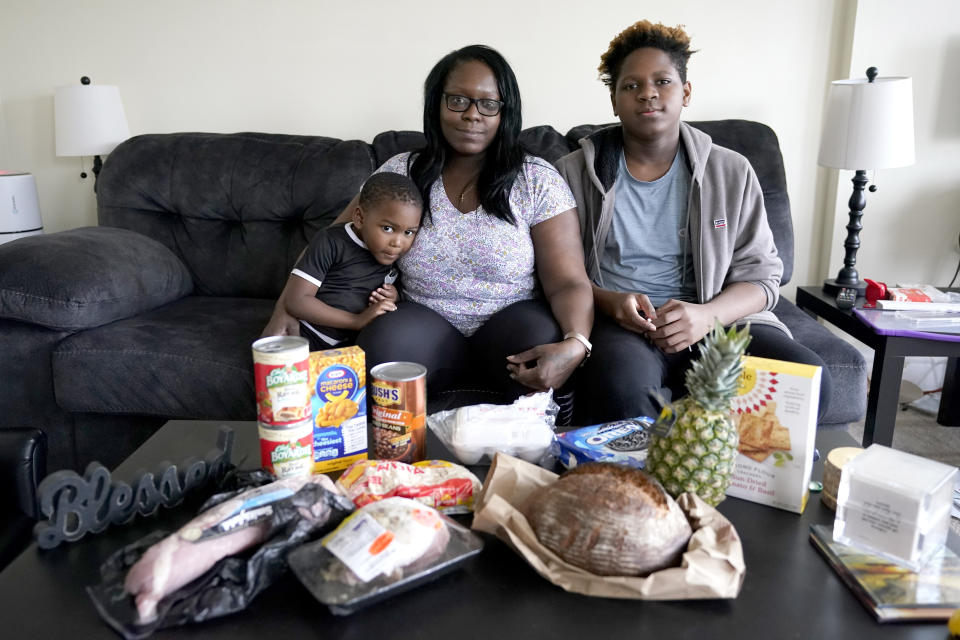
(610, 520)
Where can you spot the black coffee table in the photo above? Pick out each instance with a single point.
(789, 591)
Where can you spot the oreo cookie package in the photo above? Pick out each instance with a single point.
(621, 441)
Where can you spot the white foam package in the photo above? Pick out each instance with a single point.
(475, 433)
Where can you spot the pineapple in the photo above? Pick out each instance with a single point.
(697, 454)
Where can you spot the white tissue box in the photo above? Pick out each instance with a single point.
(895, 504)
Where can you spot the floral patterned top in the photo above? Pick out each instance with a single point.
(468, 266)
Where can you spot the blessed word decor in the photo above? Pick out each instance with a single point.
(75, 505)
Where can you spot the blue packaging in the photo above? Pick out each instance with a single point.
(622, 441)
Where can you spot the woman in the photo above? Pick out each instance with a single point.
(675, 234)
(494, 287)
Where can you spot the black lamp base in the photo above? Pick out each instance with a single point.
(848, 278)
(832, 287)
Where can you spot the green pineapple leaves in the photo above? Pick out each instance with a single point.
(697, 453)
(712, 380)
(664, 422)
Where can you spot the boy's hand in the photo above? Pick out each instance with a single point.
(632, 311)
(366, 316)
(385, 292)
(680, 325)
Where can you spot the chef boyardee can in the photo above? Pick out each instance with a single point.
(287, 451)
(398, 413)
(281, 378)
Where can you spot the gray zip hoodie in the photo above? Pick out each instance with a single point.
(727, 221)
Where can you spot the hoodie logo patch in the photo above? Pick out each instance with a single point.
(720, 223)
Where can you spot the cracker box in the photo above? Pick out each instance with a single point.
(775, 411)
(338, 401)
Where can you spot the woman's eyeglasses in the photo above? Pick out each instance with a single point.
(485, 106)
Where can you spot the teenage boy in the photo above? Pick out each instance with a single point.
(675, 234)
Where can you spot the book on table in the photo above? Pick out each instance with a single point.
(891, 592)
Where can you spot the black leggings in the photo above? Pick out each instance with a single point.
(415, 333)
(614, 382)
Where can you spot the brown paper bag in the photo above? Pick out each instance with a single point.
(712, 566)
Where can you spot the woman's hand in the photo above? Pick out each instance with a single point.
(680, 325)
(632, 311)
(546, 366)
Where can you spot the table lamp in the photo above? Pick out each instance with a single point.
(19, 206)
(868, 125)
(89, 121)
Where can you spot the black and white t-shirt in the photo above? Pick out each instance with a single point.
(345, 272)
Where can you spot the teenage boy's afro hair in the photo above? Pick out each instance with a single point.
(673, 41)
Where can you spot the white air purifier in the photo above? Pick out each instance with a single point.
(19, 206)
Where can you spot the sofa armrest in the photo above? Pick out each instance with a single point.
(23, 463)
(87, 277)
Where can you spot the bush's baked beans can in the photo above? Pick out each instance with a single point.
(399, 411)
(281, 378)
(287, 451)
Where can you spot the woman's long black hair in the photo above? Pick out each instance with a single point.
(504, 156)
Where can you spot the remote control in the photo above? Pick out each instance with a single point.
(846, 298)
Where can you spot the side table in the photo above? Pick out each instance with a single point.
(889, 352)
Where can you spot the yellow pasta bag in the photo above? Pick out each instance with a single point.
(338, 400)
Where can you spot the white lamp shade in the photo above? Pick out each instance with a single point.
(89, 120)
(868, 125)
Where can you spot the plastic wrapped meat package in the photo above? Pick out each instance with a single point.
(447, 487)
(382, 549)
(219, 561)
(524, 429)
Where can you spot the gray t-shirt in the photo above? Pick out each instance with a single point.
(648, 249)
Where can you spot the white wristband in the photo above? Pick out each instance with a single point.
(581, 339)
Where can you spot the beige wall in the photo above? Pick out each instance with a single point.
(354, 69)
(912, 222)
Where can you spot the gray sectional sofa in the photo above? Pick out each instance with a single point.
(108, 331)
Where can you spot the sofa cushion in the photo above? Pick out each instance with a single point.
(546, 142)
(237, 209)
(390, 143)
(87, 277)
(189, 359)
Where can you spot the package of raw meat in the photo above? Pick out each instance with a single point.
(447, 487)
(218, 562)
(385, 548)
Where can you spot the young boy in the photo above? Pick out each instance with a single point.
(675, 234)
(346, 277)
